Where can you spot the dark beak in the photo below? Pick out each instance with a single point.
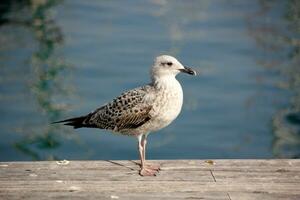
(188, 71)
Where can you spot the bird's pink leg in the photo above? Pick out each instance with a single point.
(145, 170)
(152, 167)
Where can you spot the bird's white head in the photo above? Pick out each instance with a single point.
(165, 65)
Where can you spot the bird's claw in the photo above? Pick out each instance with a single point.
(154, 167)
(148, 172)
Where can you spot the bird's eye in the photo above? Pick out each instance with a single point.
(169, 63)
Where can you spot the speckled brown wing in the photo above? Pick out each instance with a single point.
(128, 111)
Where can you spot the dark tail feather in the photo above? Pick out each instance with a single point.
(76, 122)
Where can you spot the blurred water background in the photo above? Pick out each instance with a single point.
(60, 59)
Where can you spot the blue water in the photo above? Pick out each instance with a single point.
(60, 59)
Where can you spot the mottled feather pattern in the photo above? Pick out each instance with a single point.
(128, 111)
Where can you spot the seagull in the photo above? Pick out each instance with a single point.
(142, 110)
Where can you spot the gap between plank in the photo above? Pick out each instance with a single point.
(228, 196)
(212, 175)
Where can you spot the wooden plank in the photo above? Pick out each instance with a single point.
(178, 179)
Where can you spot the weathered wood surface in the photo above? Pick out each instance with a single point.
(178, 179)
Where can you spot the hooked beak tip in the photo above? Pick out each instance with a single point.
(188, 70)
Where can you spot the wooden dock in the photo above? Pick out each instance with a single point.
(178, 179)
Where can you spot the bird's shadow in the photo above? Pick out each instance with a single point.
(122, 165)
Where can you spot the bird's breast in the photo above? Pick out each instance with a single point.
(168, 104)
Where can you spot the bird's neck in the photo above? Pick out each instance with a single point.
(165, 82)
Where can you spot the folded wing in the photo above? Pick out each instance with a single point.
(128, 111)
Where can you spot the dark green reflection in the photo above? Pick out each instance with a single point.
(280, 41)
(49, 73)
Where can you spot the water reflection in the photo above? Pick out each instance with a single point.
(279, 39)
(48, 77)
(177, 16)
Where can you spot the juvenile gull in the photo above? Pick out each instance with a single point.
(142, 110)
